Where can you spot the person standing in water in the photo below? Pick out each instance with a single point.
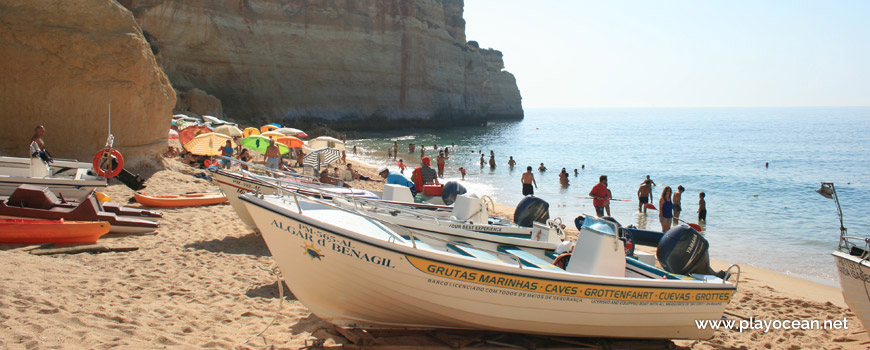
(702, 208)
(492, 161)
(542, 167)
(563, 177)
(482, 162)
(677, 208)
(512, 162)
(599, 195)
(643, 195)
(528, 179)
(440, 162)
(666, 209)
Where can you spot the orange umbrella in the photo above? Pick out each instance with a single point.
(290, 141)
(187, 134)
(267, 128)
(251, 131)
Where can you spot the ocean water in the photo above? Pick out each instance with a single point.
(764, 216)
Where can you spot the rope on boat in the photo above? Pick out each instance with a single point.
(278, 280)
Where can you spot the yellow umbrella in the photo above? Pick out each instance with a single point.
(209, 144)
(229, 130)
(251, 131)
(272, 134)
(267, 128)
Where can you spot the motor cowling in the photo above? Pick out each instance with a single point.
(684, 251)
(531, 209)
(450, 191)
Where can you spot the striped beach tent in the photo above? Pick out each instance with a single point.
(321, 157)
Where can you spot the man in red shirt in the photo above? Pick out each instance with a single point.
(599, 195)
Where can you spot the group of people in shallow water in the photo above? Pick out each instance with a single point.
(669, 208)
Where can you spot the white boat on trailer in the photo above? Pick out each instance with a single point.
(355, 271)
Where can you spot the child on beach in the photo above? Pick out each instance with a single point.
(462, 171)
(702, 208)
(402, 166)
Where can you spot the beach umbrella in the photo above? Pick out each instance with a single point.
(251, 131)
(208, 118)
(228, 130)
(326, 142)
(173, 134)
(259, 143)
(291, 132)
(272, 134)
(321, 157)
(209, 144)
(268, 127)
(290, 141)
(187, 134)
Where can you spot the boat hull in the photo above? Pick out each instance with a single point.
(356, 281)
(854, 275)
(49, 231)
(184, 200)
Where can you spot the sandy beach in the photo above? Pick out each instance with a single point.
(204, 280)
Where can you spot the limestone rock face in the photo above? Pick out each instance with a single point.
(336, 60)
(64, 62)
(197, 103)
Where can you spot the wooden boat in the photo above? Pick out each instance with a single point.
(181, 200)
(36, 202)
(356, 271)
(53, 231)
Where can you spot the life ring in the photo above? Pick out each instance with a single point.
(102, 160)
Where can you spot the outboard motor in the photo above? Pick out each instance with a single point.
(450, 191)
(684, 251)
(531, 209)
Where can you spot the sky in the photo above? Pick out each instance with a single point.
(614, 53)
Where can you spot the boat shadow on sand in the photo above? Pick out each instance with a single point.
(321, 332)
(249, 244)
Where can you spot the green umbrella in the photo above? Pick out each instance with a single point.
(260, 143)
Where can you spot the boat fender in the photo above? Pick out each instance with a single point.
(105, 165)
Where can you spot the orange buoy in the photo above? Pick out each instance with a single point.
(103, 163)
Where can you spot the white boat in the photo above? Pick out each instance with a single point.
(70, 179)
(853, 267)
(355, 271)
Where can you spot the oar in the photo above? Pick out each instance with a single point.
(696, 227)
(613, 199)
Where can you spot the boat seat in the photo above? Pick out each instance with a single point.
(474, 253)
(30, 196)
(527, 259)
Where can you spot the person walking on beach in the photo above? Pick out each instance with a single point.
(702, 208)
(511, 162)
(440, 162)
(542, 167)
(643, 195)
(563, 177)
(528, 179)
(599, 195)
(666, 209)
(677, 208)
(272, 155)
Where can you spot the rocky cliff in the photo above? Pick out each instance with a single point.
(63, 63)
(373, 61)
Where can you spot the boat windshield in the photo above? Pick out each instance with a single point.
(602, 226)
